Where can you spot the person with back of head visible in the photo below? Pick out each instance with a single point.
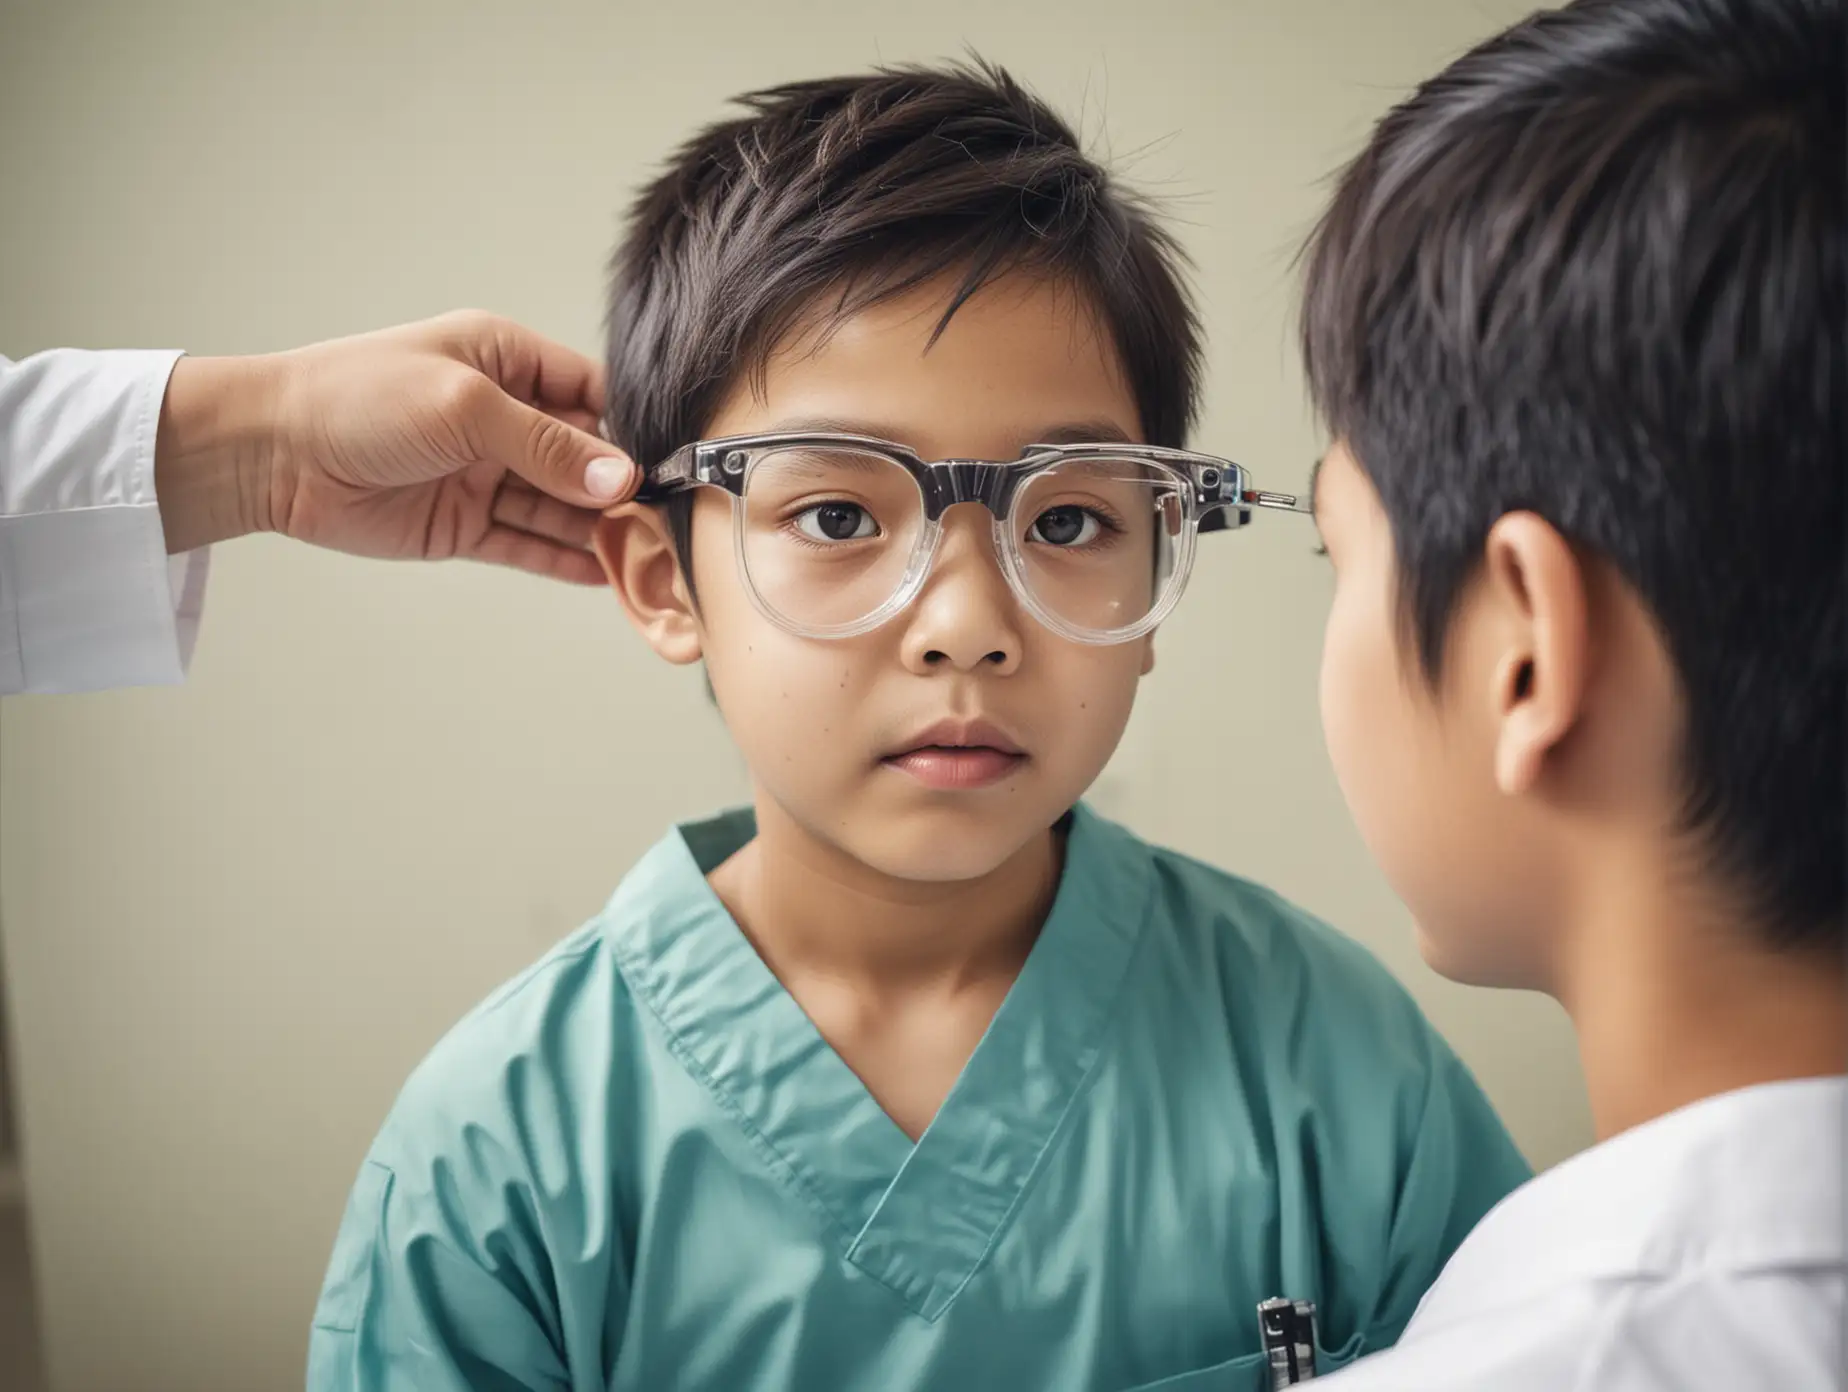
(1575, 319)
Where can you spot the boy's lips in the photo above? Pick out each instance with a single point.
(955, 754)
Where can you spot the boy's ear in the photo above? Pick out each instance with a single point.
(637, 551)
(1535, 584)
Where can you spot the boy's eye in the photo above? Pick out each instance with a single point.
(1064, 526)
(836, 522)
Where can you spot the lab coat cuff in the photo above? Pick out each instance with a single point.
(96, 600)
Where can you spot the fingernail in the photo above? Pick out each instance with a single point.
(608, 478)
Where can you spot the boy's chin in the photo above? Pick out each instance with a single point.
(1475, 959)
(944, 847)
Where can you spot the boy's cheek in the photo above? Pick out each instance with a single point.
(1410, 778)
(1371, 739)
(1344, 715)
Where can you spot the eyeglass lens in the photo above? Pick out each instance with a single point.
(830, 534)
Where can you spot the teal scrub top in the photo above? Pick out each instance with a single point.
(639, 1166)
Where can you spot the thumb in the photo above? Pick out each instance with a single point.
(572, 465)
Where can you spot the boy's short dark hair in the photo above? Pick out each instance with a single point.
(836, 194)
(1594, 269)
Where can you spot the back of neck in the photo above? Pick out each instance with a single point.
(1674, 1003)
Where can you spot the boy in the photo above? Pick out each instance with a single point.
(1575, 319)
(917, 1073)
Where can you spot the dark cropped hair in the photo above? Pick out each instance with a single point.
(830, 196)
(1594, 269)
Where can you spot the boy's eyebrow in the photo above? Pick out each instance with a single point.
(1086, 432)
(1091, 432)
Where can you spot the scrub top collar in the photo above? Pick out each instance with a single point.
(917, 1218)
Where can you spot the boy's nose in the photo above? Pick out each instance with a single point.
(966, 617)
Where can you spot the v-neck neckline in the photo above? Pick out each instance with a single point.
(918, 1218)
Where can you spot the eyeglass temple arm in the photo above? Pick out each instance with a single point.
(672, 475)
(1236, 511)
(1280, 502)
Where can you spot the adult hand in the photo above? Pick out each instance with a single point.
(464, 435)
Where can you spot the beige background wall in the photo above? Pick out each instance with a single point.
(237, 912)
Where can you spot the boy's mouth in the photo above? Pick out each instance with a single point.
(955, 755)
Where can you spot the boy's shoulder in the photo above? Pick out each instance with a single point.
(1326, 1020)
(581, 1021)
(534, 1037)
(1256, 943)
(567, 1025)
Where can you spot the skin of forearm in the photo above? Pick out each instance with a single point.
(214, 451)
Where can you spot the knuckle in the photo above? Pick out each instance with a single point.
(468, 335)
(462, 402)
(462, 394)
(551, 443)
(465, 320)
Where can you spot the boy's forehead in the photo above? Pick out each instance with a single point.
(1019, 362)
(1097, 430)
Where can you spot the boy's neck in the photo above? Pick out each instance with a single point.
(812, 910)
(1673, 1004)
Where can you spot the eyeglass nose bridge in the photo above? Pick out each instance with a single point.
(947, 482)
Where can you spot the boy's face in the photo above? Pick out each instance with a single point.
(844, 734)
(1417, 764)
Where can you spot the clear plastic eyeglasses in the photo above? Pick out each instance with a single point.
(835, 534)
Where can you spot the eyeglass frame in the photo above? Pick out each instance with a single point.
(1217, 495)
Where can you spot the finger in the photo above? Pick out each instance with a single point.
(587, 421)
(526, 509)
(571, 465)
(562, 377)
(527, 365)
(523, 551)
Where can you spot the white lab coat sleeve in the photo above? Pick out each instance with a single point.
(89, 597)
